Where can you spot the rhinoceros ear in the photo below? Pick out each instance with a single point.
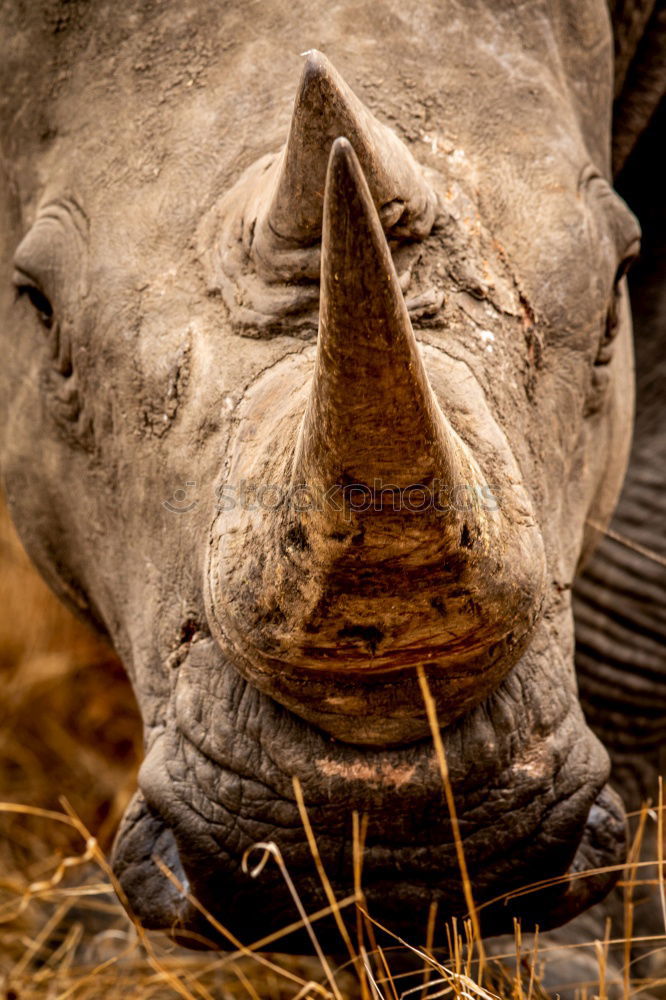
(372, 414)
(326, 108)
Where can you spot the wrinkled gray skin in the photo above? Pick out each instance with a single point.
(621, 597)
(619, 603)
(123, 126)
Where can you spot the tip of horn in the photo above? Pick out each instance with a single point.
(343, 160)
(316, 65)
(358, 275)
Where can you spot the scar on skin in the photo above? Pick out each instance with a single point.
(381, 774)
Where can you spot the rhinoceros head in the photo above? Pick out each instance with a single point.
(317, 421)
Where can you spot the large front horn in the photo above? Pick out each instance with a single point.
(388, 550)
(371, 416)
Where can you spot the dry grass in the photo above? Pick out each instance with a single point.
(69, 750)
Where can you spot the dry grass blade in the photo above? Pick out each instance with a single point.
(272, 850)
(430, 938)
(305, 989)
(469, 936)
(44, 886)
(50, 814)
(59, 960)
(463, 984)
(165, 974)
(628, 543)
(518, 938)
(387, 973)
(431, 710)
(602, 958)
(457, 947)
(450, 988)
(260, 943)
(321, 871)
(374, 986)
(559, 880)
(359, 833)
(533, 963)
(43, 936)
(628, 891)
(90, 977)
(660, 849)
(246, 983)
(241, 949)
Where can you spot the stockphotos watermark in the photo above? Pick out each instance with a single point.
(347, 499)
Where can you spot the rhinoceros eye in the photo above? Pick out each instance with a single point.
(38, 299)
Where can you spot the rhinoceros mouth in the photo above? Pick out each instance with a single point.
(146, 844)
(220, 778)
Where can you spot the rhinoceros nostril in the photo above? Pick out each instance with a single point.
(188, 630)
(438, 605)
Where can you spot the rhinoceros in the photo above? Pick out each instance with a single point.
(317, 392)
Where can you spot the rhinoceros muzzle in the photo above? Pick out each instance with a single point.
(401, 536)
(536, 816)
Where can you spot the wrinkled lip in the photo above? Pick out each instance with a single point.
(589, 878)
(218, 779)
(145, 844)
